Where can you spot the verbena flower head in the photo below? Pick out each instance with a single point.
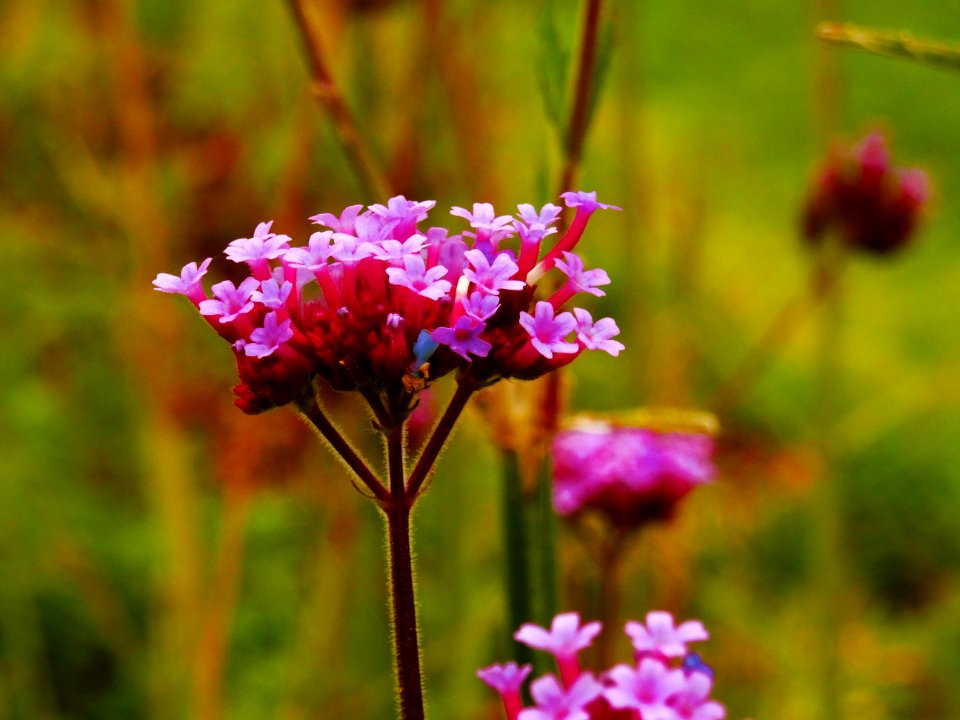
(657, 685)
(874, 206)
(632, 475)
(376, 305)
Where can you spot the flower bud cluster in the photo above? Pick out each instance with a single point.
(874, 206)
(631, 475)
(664, 681)
(374, 304)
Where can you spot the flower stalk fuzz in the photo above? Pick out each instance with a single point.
(372, 304)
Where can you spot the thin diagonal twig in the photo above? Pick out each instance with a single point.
(892, 43)
(579, 112)
(328, 95)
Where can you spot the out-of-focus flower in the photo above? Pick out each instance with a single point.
(874, 206)
(564, 640)
(371, 304)
(660, 638)
(632, 475)
(658, 685)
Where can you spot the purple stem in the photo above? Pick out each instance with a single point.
(403, 601)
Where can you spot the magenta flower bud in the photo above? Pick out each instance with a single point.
(631, 475)
(874, 206)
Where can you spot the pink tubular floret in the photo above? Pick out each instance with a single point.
(352, 305)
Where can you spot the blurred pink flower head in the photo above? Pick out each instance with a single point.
(374, 305)
(874, 206)
(632, 475)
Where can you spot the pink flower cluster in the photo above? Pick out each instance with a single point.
(630, 474)
(374, 304)
(874, 206)
(664, 682)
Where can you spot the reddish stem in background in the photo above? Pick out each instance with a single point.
(328, 95)
(311, 410)
(577, 130)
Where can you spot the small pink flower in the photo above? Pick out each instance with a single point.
(582, 280)
(188, 284)
(415, 276)
(660, 637)
(547, 332)
(267, 339)
(692, 701)
(484, 217)
(257, 250)
(564, 640)
(553, 702)
(342, 224)
(597, 335)
(313, 257)
(585, 201)
(646, 688)
(464, 337)
(507, 680)
(230, 301)
(491, 278)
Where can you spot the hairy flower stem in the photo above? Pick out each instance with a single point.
(311, 410)
(403, 605)
(438, 438)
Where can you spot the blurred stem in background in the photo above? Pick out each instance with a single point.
(516, 545)
(139, 330)
(785, 324)
(829, 558)
(612, 550)
(891, 43)
(220, 603)
(829, 263)
(529, 520)
(359, 151)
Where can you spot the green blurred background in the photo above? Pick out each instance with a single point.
(163, 556)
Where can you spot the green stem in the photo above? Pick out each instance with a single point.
(516, 543)
(403, 603)
(547, 545)
(608, 604)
